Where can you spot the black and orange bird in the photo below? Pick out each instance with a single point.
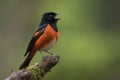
(44, 37)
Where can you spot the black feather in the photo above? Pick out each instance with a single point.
(33, 40)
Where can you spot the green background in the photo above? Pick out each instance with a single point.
(89, 41)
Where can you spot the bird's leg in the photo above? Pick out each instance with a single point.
(41, 53)
(49, 52)
(42, 56)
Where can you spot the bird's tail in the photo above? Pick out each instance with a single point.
(27, 60)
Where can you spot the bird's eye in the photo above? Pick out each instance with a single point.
(50, 16)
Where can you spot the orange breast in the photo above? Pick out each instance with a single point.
(47, 39)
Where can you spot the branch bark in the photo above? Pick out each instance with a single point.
(35, 72)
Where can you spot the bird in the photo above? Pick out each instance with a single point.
(44, 37)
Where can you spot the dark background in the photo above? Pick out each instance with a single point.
(89, 42)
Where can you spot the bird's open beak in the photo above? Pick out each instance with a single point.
(57, 17)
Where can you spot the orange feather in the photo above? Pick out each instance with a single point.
(48, 35)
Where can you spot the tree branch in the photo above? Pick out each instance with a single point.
(35, 72)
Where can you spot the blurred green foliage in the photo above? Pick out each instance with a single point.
(89, 42)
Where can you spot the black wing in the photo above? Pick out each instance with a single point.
(39, 32)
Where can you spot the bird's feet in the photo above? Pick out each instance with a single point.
(49, 52)
(44, 57)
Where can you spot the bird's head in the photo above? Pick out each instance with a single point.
(50, 17)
